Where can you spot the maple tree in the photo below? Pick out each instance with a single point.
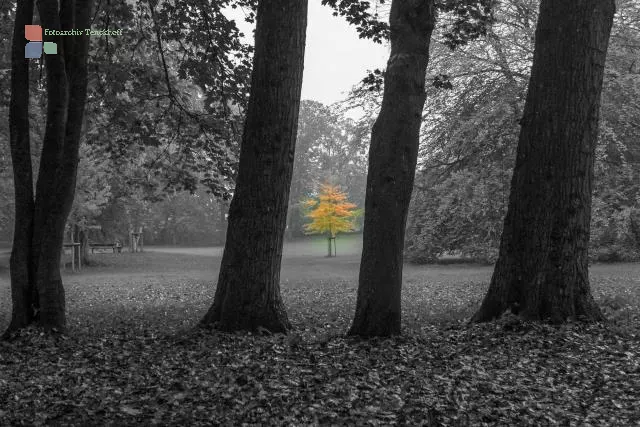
(330, 213)
(329, 148)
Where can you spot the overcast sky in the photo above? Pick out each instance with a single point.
(335, 58)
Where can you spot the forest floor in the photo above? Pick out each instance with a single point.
(132, 357)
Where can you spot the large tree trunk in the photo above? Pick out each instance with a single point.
(23, 288)
(542, 269)
(392, 162)
(46, 251)
(248, 292)
(67, 90)
(55, 188)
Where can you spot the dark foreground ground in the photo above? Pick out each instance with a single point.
(132, 358)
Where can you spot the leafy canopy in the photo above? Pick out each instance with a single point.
(330, 212)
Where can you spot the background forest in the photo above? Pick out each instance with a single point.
(160, 145)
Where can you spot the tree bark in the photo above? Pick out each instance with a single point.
(542, 269)
(392, 162)
(83, 239)
(46, 251)
(248, 292)
(23, 288)
(39, 246)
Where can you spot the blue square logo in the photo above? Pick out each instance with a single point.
(33, 50)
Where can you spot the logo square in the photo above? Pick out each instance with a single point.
(33, 33)
(33, 50)
(50, 48)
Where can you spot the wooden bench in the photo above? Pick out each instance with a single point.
(113, 247)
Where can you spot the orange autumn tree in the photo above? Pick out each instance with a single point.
(330, 213)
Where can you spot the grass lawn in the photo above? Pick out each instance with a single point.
(132, 358)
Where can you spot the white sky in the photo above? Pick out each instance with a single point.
(335, 58)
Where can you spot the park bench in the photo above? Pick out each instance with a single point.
(113, 247)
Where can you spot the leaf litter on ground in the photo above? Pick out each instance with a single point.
(133, 357)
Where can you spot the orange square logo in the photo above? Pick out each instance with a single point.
(33, 33)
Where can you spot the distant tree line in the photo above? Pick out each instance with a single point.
(469, 141)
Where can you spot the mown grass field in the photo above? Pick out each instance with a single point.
(132, 356)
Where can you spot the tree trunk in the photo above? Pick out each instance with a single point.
(542, 269)
(392, 162)
(38, 257)
(248, 292)
(23, 288)
(222, 222)
(46, 246)
(83, 239)
(289, 226)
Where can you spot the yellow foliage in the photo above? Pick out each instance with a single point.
(331, 213)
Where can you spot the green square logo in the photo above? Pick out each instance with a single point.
(50, 48)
